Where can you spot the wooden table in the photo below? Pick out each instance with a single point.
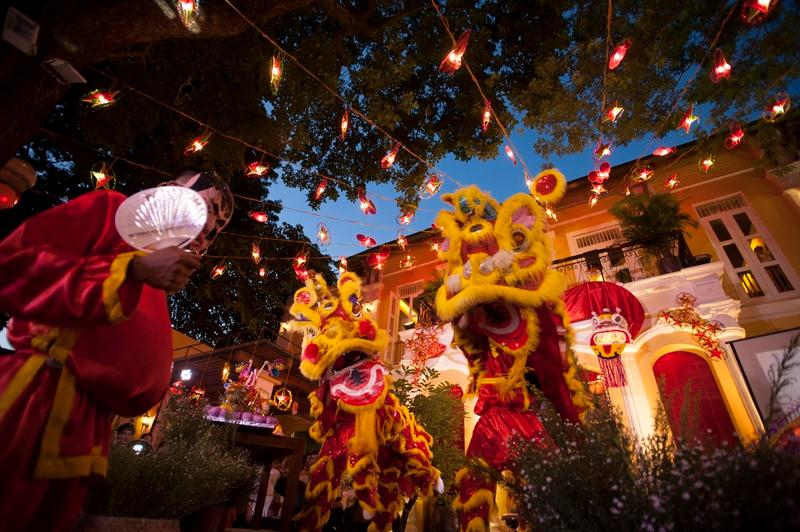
(265, 448)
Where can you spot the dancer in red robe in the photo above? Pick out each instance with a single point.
(92, 336)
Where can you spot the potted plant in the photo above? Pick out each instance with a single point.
(653, 221)
(195, 467)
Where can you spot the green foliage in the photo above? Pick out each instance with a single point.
(780, 380)
(442, 415)
(644, 216)
(196, 466)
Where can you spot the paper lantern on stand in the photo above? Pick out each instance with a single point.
(611, 330)
(16, 177)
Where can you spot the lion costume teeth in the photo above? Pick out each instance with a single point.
(364, 431)
(508, 318)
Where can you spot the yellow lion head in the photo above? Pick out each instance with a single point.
(337, 334)
(497, 255)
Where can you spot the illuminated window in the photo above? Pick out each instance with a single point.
(751, 258)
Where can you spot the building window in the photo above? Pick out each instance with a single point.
(752, 260)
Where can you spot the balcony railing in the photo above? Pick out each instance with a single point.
(630, 262)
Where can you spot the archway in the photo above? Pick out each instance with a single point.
(680, 371)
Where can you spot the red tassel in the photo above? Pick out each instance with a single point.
(613, 372)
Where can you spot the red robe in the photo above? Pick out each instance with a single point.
(89, 342)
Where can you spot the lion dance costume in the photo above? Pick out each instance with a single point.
(509, 320)
(363, 429)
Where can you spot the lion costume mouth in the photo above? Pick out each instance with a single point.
(502, 322)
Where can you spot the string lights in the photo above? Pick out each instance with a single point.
(619, 54)
(102, 176)
(256, 169)
(98, 99)
(323, 235)
(197, 144)
(663, 151)
(722, 69)
(735, 135)
(452, 61)
(255, 252)
(388, 160)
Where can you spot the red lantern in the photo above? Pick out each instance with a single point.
(323, 235)
(593, 199)
(756, 11)
(663, 151)
(602, 150)
(388, 159)
(604, 171)
(276, 73)
(406, 263)
(218, 270)
(594, 177)
(778, 108)
(366, 205)
(262, 271)
(406, 217)
(487, 116)
(510, 154)
(259, 216)
(255, 252)
(431, 187)
(598, 189)
(98, 99)
(103, 178)
(672, 182)
(320, 190)
(706, 163)
(722, 70)
(365, 240)
(643, 174)
(345, 123)
(379, 258)
(197, 144)
(188, 11)
(735, 137)
(256, 169)
(619, 54)
(613, 113)
(436, 246)
(401, 240)
(688, 119)
(300, 265)
(452, 60)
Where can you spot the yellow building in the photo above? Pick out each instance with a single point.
(741, 265)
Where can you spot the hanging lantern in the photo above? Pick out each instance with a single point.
(619, 54)
(602, 150)
(388, 159)
(598, 189)
(510, 154)
(594, 177)
(218, 270)
(452, 60)
(344, 124)
(756, 11)
(366, 241)
(300, 265)
(276, 73)
(593, 199)
(706, 163)
(255, 252)
(342, 265)
(323, 235)
(98, 99)
(262, 271)
(406, 216)
(402, 241)
(16, 176)
(722, 70)
(609, 337)
(688, 119)
(672, 182)
(256, 169)
(627, 190)
(613, 113)
(436, 246)
(431, 187)
(379, 258)
(487, 116)
(259, 216)
(282, 398)
(642, 174)
(196, 393)
(366, 204)
(778, 108)
(604, 172)
(735, 137)
(102, 177)
(406, 263)
(226, 371)
(197, 144)
(188, 10)
(663, 151)
(551, 214)
(320, 190)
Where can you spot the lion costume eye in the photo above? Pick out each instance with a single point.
(464, 206)
(520, 241)
(357, 309)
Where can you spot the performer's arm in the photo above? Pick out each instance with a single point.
(50, 274)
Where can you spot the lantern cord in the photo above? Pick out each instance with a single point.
(605, 65)
(334, 93)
